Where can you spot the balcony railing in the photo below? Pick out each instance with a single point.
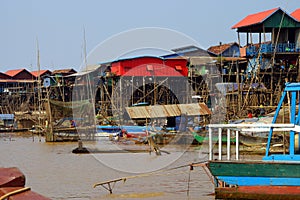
(270, 48)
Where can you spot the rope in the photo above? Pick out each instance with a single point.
(14, 192)
(151, 173)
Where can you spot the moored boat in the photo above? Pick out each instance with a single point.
(12, 186)
(11, 177)
(107, 130)
(276, 176)
(256, 179)
(200, 138)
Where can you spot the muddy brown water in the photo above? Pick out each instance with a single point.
(51, 169)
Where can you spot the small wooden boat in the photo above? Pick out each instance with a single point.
(200, 138)
(246, 179)
(20, 193)
(11, 177)
(249, 140)
(276, 176)
(12, 186)
(107, 130)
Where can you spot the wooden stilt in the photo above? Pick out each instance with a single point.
(154, 146)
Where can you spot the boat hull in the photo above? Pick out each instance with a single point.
(256, 179)
(11, 177)
(12, 186)
(24, 194)
(255, 169)
(259, 192)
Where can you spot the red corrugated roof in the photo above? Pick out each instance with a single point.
(296, 14)
(4, 76)
(36, 73)
(255, 18)
(14, 72)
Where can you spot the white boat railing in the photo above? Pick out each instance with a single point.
(240, 128)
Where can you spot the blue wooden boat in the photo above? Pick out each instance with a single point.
(109, 130)
(276, 176)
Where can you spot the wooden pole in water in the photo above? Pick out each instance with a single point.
(239, 96)
(220, 143)
(39, 88)
(154, 145)
(49, 133)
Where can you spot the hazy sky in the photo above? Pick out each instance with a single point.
(59, 25)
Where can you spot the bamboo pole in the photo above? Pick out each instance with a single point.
(239, 89)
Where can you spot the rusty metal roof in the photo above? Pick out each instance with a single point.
(138, 112)
(204, 109)
(64, 71)
(218, 49)
(156, 111)
(160, 111)
(201, 60)
(172, 110)
(194, 109)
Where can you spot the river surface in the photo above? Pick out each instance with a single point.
(52, 170)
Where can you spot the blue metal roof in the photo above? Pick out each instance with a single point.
(135, 57)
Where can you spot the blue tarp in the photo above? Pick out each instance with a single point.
(7, 116)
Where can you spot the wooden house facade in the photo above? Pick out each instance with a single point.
(17, 81)
(272, 59)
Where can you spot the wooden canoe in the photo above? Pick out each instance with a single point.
(12, 186)
(11, 177)
(20, 193)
